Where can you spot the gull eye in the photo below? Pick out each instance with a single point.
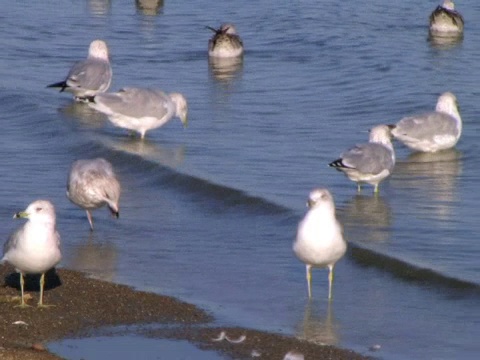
(38, 209)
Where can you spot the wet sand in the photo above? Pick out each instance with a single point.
(82, 305)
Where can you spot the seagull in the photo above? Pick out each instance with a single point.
(34, 248)
(225, 43)
(141, 110)
(432, 131)
(92, 184)
(319, 242)
(371, 162)
(446, 21)
(90, 76)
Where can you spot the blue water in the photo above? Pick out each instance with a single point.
(208, 213)
(128, 347)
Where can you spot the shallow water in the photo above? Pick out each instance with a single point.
(127, 347)
(208, 214)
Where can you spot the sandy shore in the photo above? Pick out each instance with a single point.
(82, 305)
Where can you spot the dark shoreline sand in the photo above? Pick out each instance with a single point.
(83, 304)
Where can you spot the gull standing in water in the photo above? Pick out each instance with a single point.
(432, 131)
(91, 76)
(225, 43)
(319, 242)
(371, 162)
(446, 21)
(92, 184)
(34, 248)
(141, 110)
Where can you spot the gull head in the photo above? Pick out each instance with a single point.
(224, 29)
(98, 49)
(113, 207)
(447, 103)
(41, 211)
(381, 134)
(228, 29)
(319, 197)
(181, 107)
(449, 5)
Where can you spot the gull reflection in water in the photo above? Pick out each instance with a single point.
(316, 328)
(368, 217)
(149, 7)
(433, 176)
(225, 70)
(97, 259)
(99, 7)
(171, 157)
(445, 42)
(84, 114)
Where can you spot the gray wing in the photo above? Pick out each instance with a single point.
(426, 126)
(12, 241)
(96, 175)
(368, 158)
(135, 102)
(91, 74)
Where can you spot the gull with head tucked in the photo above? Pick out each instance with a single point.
(92, 183)
(432, 131)
(34, 248)
(225, 43)
(446, 21)
(141, 110)
(371, 162)
(319, 241)
(88, 77)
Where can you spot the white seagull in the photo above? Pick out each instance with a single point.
(432, 131)
(225, 43)
(88, 77)
(371, 162)
(34, 248)
(446, 21)
(319, 242)
(92, 183)
(141, 110)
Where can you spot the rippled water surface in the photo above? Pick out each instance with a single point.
(208, 213)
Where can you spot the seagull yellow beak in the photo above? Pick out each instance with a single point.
(21, 214)
(184, 120)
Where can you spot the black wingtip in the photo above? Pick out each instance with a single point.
(62, 85)
(337, 164)
(211, 28)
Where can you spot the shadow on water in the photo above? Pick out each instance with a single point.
(97, 259)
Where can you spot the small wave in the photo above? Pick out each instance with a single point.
(158, 166)
(407, 271)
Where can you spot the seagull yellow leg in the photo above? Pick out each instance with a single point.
(330, 281)
(42, 284)
(375, 189)
(359, 187)
(90, 219)
(309, 281)
(23, 304)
